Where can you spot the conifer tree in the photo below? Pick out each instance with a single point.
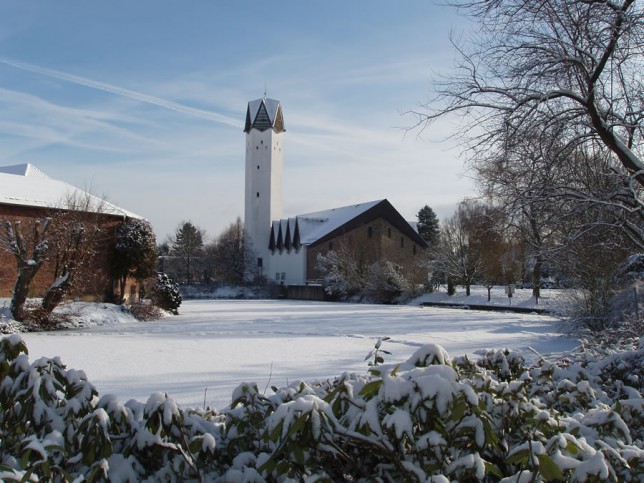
(428, 225)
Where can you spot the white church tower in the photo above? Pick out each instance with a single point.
(263, 203)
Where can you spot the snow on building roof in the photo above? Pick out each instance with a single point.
(314, 226)
(26, 169)
(26, 185)
(263, 114)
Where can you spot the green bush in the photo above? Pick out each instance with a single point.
(166, 294)
(430, 418)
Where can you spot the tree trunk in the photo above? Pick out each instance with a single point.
(467, 289)
(536, 277)
(21, 290)
(56, 293)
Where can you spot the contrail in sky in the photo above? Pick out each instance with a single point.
(119, 91)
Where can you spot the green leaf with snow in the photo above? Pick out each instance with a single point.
(548, 468)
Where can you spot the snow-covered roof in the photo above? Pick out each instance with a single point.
(263, 114)
(26, 169)
(26, 185)
(314, 226)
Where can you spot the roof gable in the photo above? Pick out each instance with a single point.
(321, 226)
(26, 169)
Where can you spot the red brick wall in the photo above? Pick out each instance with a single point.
(96, 287)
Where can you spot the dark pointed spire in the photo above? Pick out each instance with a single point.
(263, 114)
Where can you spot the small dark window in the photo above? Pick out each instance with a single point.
(369, 232)
(260, 262)
(258, 166)
(262, 141)
(330, 245)
(258, 194)
(414, 249)
(256, 147)
(402, 242)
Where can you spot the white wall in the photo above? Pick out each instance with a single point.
(292, 265)
(263, 198)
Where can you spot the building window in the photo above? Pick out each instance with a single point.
(370, 232)
(258, 194)
(258, 166)
(402, 242)
(277, 275)
(283, 275)
(256, 147)
(330, 245)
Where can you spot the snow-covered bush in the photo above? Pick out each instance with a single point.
(166, 294)
(340, 275)
(430, 418)
(385, 282)
(342, 278)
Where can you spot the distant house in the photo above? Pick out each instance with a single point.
(287, 249)
(28, 194)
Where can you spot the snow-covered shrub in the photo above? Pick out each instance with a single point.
(385, 282)
(145, 311)
(340, 275)
(431, 418)
(166, 294)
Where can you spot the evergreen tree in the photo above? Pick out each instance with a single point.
(428, 225)
(135, 252)
(187, 246)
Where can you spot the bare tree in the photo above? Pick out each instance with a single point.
(535, 63)
(74, 240)
(228, 254)
(67, 239)
(30, 252)
(458, 254)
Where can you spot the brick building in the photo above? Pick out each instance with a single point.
(26, 195)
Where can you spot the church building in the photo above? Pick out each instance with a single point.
(287, 249)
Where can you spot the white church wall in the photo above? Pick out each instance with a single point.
(288, 268)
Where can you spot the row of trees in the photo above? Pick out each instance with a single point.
(189, 258)
(551, 98)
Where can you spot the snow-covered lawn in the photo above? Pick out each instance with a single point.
(213, 345)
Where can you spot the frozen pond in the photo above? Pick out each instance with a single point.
(214, 345)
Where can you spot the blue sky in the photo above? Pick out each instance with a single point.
(144, 102)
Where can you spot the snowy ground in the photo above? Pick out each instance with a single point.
(204, 353)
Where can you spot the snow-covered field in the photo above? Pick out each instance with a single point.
(204, 353)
